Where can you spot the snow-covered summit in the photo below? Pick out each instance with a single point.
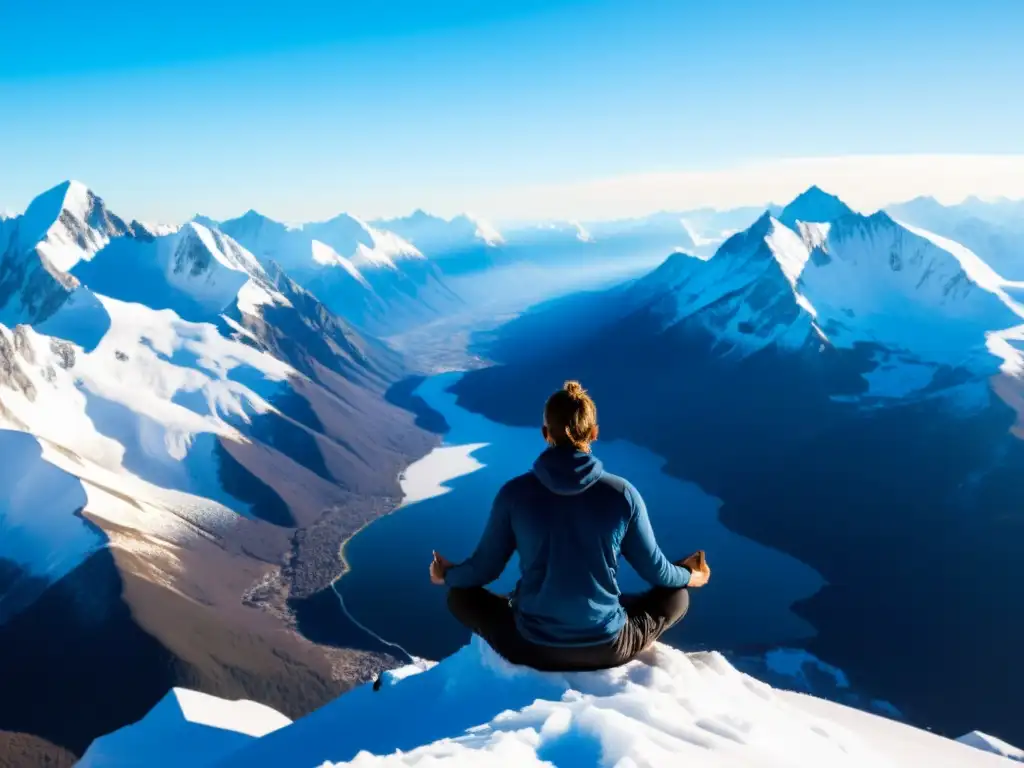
(365, 245)
(813, 205)
(68, 238)
(194, 270)
(850, 277)
(666, 708)
(68, 224)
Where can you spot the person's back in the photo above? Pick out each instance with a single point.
(569, 521)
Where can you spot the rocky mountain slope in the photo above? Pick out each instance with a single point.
(994, 230)
(188, 436)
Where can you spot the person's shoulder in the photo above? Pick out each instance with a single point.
(618, 484)
(518, 486)
(621, 488)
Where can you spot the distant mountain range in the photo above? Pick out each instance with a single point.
(851, 387)
(373, 277)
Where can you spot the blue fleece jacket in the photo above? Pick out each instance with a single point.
(569, 520)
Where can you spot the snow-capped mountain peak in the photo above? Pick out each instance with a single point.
(324, 255)
(814, 205)
(364, 245)
(68, 224)
(198, 241)
(483, 230)
(852, 280)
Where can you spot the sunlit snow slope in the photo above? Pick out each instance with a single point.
(666, 708)
(167, 384)
(370, 276)
(191, 728)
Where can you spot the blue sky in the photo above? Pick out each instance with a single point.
(509, 108)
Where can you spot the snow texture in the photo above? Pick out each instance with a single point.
(40, 529)
(666, 708)
(125, 431)
(992, 229)
(185, 728)
(793, 663)
(195, 271)
(987, 743)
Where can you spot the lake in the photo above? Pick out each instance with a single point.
(448, 496)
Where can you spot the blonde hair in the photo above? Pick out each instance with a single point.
(571, 417)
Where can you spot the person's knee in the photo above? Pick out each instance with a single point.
(458, 599)
(677, 605)
(465, 604)
(669, 605)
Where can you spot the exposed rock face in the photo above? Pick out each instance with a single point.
(11, 375)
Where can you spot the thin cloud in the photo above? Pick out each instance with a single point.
(866, 182)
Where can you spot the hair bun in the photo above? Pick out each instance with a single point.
(574, 389)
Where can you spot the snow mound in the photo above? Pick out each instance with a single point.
(987, 743)
(185, 728)
(666, 708)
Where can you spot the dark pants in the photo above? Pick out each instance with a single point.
(648, 616)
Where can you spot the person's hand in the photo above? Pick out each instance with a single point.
(438, 568)
(700, 572)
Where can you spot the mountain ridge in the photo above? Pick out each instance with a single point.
(201, 433)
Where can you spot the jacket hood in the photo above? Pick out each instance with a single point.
(566, 471)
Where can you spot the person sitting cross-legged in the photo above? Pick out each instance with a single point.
(569, 520)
